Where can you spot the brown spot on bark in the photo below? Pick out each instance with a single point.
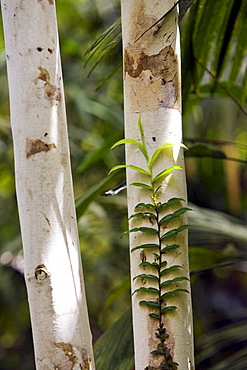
(157, 72)
(52, 92)
(51, 2)
(37, 146)
(44, 75)
(70, 352)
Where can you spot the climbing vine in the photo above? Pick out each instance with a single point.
(160, 287)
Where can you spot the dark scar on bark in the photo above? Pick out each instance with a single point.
(37, 146)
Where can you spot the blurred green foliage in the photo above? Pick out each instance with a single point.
(213, 38)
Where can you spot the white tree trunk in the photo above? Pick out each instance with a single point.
(53, 272)
(152, 90)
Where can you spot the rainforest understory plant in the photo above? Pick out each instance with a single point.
(154, 277)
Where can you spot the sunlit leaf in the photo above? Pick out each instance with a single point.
(160, 149)
(144, 151)
(165, 173)
(130, 141)
(157, 153)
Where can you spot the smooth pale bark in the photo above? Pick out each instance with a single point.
(53, 272)
(152, 90)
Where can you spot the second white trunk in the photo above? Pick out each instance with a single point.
(53, 272)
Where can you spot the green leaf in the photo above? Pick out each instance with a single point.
(158, 352)
(142, 229)
(156, 190)
(205, 150)
(94, 157)
(163, 264)
(181, 211)
(169, 269)
(171, 293)
(169, 234)
(149, 264)
(154, 316)
(169, 282)
(120, 289)
(145, 214)
(145, 152)
(169, 247)
(172, 233)
(139, 169)
(145, 246)
(131, 141)
(165, 173)
(170, 202)
(148, 230)
(83, 201)
(142, 185)
(160, 149)
(166, 218)
(146, 276)
(114, 349)
(150, 304)
(157, 153)
(145, 205)
(146, 290)
(168, 309)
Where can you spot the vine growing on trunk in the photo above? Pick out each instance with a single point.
(160, 286)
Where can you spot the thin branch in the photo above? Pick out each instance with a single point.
(222, 86)
(215, 142)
